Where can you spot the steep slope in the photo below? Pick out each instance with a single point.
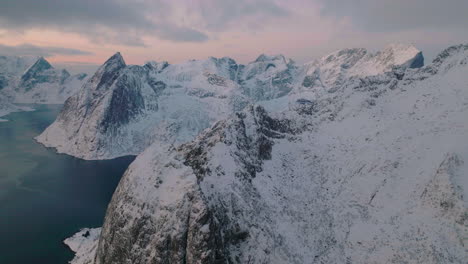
(337, 67)
(324, 75)
(372, 172)
(26, 81)
(173, 103)
(11, 66)
(122, 109)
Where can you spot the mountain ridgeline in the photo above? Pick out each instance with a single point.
(122, 109)
(351, 158)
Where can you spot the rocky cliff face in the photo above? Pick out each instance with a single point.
(122, 109)
(373, 171)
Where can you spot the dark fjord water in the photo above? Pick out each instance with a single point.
(46, 197)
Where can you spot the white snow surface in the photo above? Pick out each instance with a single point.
(372, 171)
(84, 244)
(179, 101)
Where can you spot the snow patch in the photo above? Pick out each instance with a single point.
(84, 244)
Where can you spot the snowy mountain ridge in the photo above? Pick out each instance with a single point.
(173, 103)
(34, 80)
(372, 171)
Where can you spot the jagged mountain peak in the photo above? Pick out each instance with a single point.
(401, 54)
(116, 59)
(40, 72)
(65, 73)
(224, 62)
(345, 58)
(223, 59)
(360, 62)
(156, 66)
(266, 58)
(347, 52)
(454, 56)
(207, 83)
(401, 47)
(108, 72)
(39, 66)
(41, 61)
(460, 51)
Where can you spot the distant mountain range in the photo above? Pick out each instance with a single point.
(34, 80)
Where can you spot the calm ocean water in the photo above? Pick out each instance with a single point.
(46, 197)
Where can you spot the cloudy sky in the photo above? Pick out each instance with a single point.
(82, 33)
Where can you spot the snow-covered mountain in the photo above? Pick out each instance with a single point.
(122, 109)
(334, 69)
(14, 66)
(34, 80)
(373, 171)
(10, 68)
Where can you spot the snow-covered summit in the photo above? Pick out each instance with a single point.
(450, 57)
(337, 67)
(266, 58)
(115, 62)
(157, 66)
(39, 66)
(400, 55)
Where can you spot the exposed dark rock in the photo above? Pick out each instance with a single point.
(36, 74)
(126, 102)
(418, 61)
